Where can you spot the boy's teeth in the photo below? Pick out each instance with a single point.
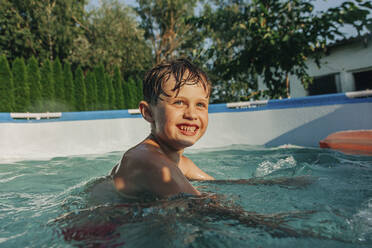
(188, 128)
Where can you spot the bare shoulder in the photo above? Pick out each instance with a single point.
(130, 173)
(145, 168)
(137, 160)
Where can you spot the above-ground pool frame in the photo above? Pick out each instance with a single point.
(298, 121)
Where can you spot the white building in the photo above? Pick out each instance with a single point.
(346, 66)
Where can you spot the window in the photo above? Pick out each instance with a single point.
(324, 85)
(363, 80)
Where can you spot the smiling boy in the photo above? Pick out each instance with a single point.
(176, 96)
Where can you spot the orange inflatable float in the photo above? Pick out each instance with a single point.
(351, 142)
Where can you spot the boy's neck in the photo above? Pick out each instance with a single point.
(171, 153)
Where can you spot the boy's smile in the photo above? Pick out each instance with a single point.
(176, 96)
(179, 120)
(187, 129)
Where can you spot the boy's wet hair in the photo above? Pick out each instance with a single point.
(183, 71)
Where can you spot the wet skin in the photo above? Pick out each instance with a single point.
(157, 165)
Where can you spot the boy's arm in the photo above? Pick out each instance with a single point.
(166, 180)
(151, 173)
(193, 172)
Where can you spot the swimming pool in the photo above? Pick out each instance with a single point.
(298, 121)
(295, 197)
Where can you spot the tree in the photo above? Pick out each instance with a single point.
(47, 85)
(112, 37)
(69, 87)
(45, 29)
(59, 86)
(117, 84)
(166, 24)
(16, 39)
(21, 87)
(102, 91)
(271, 39)
(33, 79)
(110, 92)
(128, 101)
(6, 86)
(139, 90)
(91, 86)
(80, 96)
(132, 93)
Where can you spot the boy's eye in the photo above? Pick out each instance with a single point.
(178, 102)
(201, 105)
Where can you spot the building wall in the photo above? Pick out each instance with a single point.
(343, 60)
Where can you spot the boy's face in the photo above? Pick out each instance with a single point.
(180, 120)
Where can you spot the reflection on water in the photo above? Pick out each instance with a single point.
(281, 197)
(104, 224)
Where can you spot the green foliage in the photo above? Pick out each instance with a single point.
(91, 86)
(69, 88)
(271, 39)
(110, 92)
(102, 91)
(238, 42)
(36, 88)
(33, 79)
(66, 29)
(6, 86)
(41, 28)
(80, 92)
(111, 36)
(47, 85)
(139, 90)
(117, 84)
(59, 86)
(167, 25)
(132, 93)
(16, 38)
(21, 87)
(128, 101)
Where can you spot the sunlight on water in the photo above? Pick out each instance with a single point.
(266, 167)
(290, 197)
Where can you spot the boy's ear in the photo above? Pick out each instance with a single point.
(145, 110)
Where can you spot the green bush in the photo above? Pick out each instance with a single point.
(110, 91)
(47, 84)
(80, 91)
(69, 87)
(33, 80)
(90, 82)
(102, 91)
(132, 92)
(21, 88)
(6, 86)
(59, 87)
(117, 84)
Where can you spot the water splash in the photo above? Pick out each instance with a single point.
(362, 222)
(267, 167)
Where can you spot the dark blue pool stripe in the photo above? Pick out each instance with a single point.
(309, 101)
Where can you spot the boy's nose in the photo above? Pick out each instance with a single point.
(190, 113)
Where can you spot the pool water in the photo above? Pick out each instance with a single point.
(293, 197)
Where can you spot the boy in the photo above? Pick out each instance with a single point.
(176, 96)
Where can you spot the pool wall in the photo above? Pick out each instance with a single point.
(299, 121)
